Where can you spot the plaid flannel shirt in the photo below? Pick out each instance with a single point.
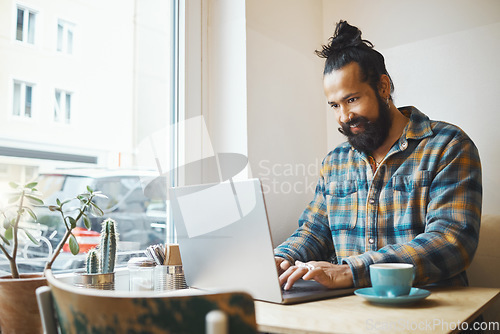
(421, 206)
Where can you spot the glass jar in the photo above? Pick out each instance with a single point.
(141, 271)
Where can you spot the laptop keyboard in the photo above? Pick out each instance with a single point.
(300, 286)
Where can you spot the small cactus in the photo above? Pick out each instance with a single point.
(92, 265)
(109, 239)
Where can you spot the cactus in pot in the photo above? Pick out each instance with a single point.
(108, 246)
(105, 255)
(92, 263)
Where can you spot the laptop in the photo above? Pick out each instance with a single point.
(225, 243)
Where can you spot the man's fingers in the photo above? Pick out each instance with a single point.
(284, 276)
(281, 264)
(285, 265)
(294, 277)
(292, 274)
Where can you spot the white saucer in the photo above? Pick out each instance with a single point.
(415, 295)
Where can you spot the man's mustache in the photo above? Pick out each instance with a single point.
(345, 128)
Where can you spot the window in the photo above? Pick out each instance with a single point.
(25, 27)
(62, 107)
(112, 96)
(22, 99)
(65, 37)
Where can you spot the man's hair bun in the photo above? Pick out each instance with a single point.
(345, 36)
(345, 47)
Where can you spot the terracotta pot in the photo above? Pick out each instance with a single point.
(18, 307)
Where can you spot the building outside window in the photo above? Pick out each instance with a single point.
(62, 106)
(25, 27)
(22, 99)
(65, 36)
(111, 95)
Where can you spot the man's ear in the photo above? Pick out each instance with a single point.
(384, 86)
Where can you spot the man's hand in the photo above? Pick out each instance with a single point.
(281, 264)
(331, 275)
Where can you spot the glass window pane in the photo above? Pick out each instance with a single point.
(69, 42)
(20, 20)
(17, 100)
(60, 34)
(63, 144)
(31, 28)
(27, 107)
(68, 107)
(57, 106)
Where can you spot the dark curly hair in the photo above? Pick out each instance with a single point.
(346, 46)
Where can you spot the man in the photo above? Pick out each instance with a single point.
(402, 188)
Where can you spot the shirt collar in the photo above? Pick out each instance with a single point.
(419, 125)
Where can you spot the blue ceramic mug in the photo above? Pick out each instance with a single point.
(392, 279)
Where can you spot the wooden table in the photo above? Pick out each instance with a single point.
(444, 311)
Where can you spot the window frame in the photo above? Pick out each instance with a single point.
(27, 23)
(66, 28)
(22, 99)
(61, 115)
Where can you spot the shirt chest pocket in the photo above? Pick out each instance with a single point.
(342, 204)
(411, 194)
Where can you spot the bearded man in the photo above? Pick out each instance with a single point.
(402, 188)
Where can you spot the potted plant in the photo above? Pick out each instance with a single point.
(22, 315)
(100, 263)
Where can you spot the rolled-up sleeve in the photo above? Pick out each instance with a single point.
(313, 239)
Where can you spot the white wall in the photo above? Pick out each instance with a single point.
(286, 118)
(442, 56)
(262, 96)
(226, 83)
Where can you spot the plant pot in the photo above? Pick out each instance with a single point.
(18, 306)
(95, 281)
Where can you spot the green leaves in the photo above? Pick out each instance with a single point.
(72, 222)
(14, 185)
(61, 204)
(7, 223)
(9, 233)
(22, 203)
(95, 210)
(99, 194)
(87, 222)
(14, 198)
(74, 247)
(34, 199)
(4, 240)
(32, 238)
(28, 191)
(31, 213)
(31, 185)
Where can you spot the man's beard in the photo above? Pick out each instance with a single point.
(374, 133)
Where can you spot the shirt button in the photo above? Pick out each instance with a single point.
(371, 201)
(404, 145)
(371, 241)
